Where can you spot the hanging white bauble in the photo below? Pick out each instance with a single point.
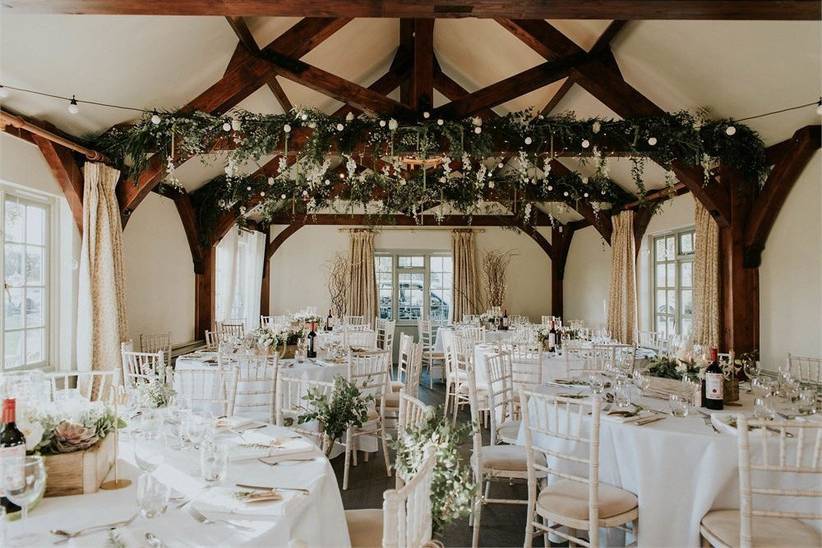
(304, 117)
(477, 130)
(440, 122)
(282, 196)
(349, 117)
(226, 126)
(382, 123)
(730, 130)
(248, 188)
(342, 176)
(652, 141)
(585, 195)
(235, 124)
(595, 127)
(155, 119)
(490, 184)
(340, 127)
(586, 143)
(528, 141)
(262, 194)
(287, 128)
(305, 193)
(426, 115)
(565, 193)
(550, 188)
(327, 182)
(393, 124)
(585, 180)
(271, 181)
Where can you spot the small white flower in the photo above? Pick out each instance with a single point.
(349, 117)
(393, 124)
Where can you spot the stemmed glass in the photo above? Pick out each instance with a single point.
(213, 461)
(23, 481)
(751, 370)
(149, 449)
(641, 381)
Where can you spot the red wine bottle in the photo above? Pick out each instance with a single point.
(329, 320)
(312, 336)
(12, 446)
(714, 380)
(552, 338)
(504, 323)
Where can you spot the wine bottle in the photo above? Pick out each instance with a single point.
(504, 323)
(714, 380)
(312, 335)
(12, 446)
(329, 321)
(552, 338)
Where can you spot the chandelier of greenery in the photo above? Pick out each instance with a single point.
(374, 162)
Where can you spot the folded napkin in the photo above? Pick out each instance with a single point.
(238, 424)
(255, 445)
(663, 388)
(726, 423)
(234, 503)
(618, 416)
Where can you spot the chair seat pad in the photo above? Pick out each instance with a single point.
(569, 498)
(506, 457)
(364, 527)
(508, 430)
(397, 385)
(392, 400)
(767, 531)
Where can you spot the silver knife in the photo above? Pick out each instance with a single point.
(272, 488)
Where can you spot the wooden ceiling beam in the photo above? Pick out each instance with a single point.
(453, 91)
(422, 82)
(767, 205)
(349, 219)
(67, 173)
(509, 88)
(246, 75)
(532, 9)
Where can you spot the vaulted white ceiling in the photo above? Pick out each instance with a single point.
(735, 68)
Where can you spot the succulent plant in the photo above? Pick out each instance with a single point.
(70, 436)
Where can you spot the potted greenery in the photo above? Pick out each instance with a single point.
(345, 407)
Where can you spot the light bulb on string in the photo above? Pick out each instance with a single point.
(730, 131)
(226, 126)
(652, 141)
(155, 118)
(73, 107)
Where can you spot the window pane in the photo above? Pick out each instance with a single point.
(15, 218)
(13, 349)
(670, 251)
(660, 275)
(660, 302)
(34, 265)
(661, 325)
(686, 243)
(13, 305)
(685, 329)
(447, 265)
(671, 274)
(385, 304)
(686, 272)
(35, 225)
(660, 249)
(440, 305)
(410, 296)
(14, 264)
(671, 301)
(436, 264)
(411, 261)
(35, 348)
(34, 308)
(687, 302)
(436, 280)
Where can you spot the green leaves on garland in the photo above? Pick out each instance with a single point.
(373, 174)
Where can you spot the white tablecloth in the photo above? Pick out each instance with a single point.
(678, 468)
(553, 366)
(319, 520)
(490, 337)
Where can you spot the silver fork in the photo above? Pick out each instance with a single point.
(198, 516)
(87, 530)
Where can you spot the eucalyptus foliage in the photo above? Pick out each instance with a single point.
(344, 408)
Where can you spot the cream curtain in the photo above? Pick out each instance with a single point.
(466, 277)
(252, 273)
(227, 275)
(362, 289)
(101, 298)
(622, 309)
(706, 278)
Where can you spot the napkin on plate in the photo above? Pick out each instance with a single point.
(238, 423)
(255, 445)
(616, 416)
(230, 503)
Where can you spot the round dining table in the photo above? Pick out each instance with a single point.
(310, 515)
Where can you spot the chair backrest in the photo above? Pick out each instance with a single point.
(404, 357)
(156, 342)
(414, 373)
(462, 353)
(91, 385)
(426, 337)
(470, 319)
(500, 391)
(256, 387)
(476, 334)
(290, 403)
(359, 336)
(412, 412)
(806, 369)
(354, 320)
(369, 372)
(622, 356)
(210, 390)
(266, 321)
(565, 421)
(526, 365)
(546, 320)
(407, 521)
(233, 328)
(763, 471)
(142, 367)
(385, 334)
(211, 340)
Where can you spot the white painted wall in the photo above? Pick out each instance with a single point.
(674, 214)
(587, 276)
(790, 277)
(299, 269)
(159, 272)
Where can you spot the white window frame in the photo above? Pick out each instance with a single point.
(51, 273)
(396, 270)
(678, 259)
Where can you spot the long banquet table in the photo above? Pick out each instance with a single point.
(679, 469)
(315, 519)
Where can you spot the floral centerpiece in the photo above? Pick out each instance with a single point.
(65, 427)
(286, 339)
(345, 407)
(305, 318)
(452, 487)
(666, 367)
(155, 395)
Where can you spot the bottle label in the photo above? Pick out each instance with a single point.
(11, 475)
(714, 386)
(552, 340)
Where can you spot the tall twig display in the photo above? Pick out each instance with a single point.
(495, 271)
(338, 274)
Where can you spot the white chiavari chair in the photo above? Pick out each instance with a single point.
(456, 387)
(618, 355)
(805, 369)
(411, 413)
(501, 397)
(403, 362)
(142, 367)
(211, 341)
(355, 321)
(546, 320)
(526, 373)
(90, 385)
(405, 519)
(230, 329)
(157, 342)
(430, 359)
(207, 390)
(565, 430)
(290, 403)
(774, 469)
(385, 333)
(472, 332)
(490, 462)
(359, 336)
(255, 392)
(470, 319)
(411, 361)
(370, 373)
(266, 322)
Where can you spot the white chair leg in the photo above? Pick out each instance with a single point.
(477, 515)
(385, 452)
(347, 458)
(447, 397)
(355, 442)
(456, 406)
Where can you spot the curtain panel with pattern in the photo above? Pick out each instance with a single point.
(466, 274)
(622, 307)
(362, 289)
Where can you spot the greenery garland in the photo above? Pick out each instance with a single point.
(469, 169)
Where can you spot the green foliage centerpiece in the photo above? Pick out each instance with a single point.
(345, 407)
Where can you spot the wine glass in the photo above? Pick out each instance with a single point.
(23, 481)
(152, 496)
(213, 461)
(195, 429)
(751, 370)
(149, 450)
(641, 381)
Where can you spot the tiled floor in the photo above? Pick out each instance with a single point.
(502, 525)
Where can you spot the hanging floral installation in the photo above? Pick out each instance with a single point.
(387, 167)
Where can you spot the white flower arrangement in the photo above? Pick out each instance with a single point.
(305, 318)
(154, 395)
(65, 426)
